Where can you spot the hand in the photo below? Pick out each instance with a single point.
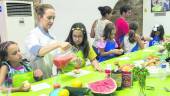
(98, 68)
(65, 45)
(38, 73)
(24, 88)
(137, 37)
(117, 51)
(96, 65)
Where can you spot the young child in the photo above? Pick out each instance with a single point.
(107, 45)
(157, 35)
(11, 64)
(78, 38)
(132, 41)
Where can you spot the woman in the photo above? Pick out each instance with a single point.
(39, 42)
(99, 24)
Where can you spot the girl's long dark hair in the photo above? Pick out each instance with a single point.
(3, 50)
(107, 31)
(84, 46)
(160, 29)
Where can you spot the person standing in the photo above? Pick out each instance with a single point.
(121, 24)
(99, 24)
(39, 44)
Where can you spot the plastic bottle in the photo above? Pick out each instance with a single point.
(163, 69)
(108, 71)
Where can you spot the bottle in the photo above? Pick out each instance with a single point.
(163, 69)
(116, 74)
(108, 71)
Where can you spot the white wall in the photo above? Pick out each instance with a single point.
(71, 11)
(149, 20)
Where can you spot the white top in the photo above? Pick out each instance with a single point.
(127, 45)
(100, 25)
(34, 41)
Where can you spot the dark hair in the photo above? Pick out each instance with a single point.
(107, 31)
(3, 49)
(105, 10)
(133, 26)
(84, 46)
(125, 8)
(160, 29)
(40, 10)
(131, 36)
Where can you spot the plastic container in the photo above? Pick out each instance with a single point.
(117, 76)
(126, 79)
(63, 57)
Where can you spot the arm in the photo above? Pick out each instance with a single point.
(92, 34)
(96, 65)
(114, 51)
(37, 49)
(46, 49)
(139, 41)
(3, 73)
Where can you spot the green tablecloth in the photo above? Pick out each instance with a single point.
(64, 79)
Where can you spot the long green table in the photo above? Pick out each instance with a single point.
(64, 79)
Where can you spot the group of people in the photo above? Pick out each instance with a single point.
(110, 40)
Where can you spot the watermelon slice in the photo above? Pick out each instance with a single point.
(106, 86)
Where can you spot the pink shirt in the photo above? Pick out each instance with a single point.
(122, 28)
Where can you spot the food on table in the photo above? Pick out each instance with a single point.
(56, 85)
(63, 92)
(106, 86)
(126, 67)
(76, 83)
(76, 71)
(26, 84)
(77, 91)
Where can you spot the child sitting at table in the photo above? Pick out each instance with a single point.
(157, 35)
(12, 64)
(132, 41)
(78, 38)
(107, 45)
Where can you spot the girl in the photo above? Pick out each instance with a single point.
(107, 46)
(132, 41)
(40, 44)
(99, 24)
(157, 35)
(12, 64)
(78, 38)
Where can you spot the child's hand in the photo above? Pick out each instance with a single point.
(137, 37)
(38, 73)
(117, 51)
(98, 68)
(24, 88)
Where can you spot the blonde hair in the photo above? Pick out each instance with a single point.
(40, 10)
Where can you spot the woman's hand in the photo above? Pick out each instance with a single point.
(65, 45)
